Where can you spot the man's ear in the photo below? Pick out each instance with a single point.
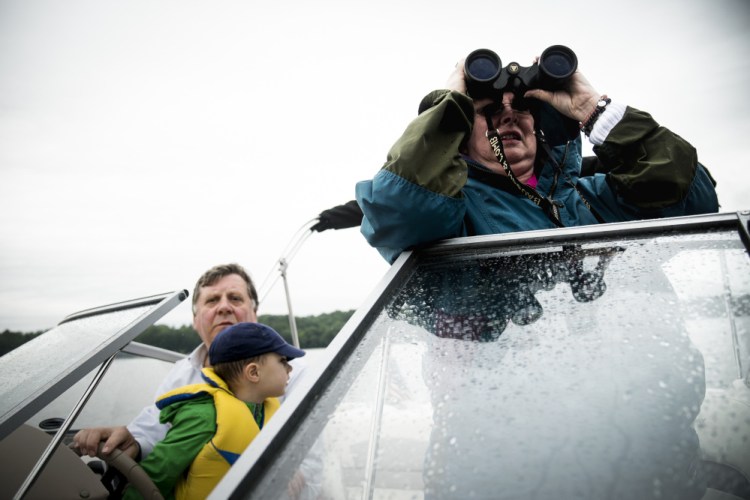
(251, 372)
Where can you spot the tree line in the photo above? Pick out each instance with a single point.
(313, 332)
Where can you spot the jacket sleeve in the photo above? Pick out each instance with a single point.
(147, 430)
(416, 197)
(654, 170)
(145, 427)
(193, 425)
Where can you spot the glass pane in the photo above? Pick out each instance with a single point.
(128, 386)
(609, 370)
(44, 360)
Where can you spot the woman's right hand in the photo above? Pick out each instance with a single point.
(457, 79)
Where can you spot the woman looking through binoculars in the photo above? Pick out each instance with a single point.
(499, 150)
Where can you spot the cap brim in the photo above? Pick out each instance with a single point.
(290, 352)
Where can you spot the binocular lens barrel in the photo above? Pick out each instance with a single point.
(558, 62)
(482, 65)
(486, 77)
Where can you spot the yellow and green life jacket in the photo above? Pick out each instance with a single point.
(235, 429)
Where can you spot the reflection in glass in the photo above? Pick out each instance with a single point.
(610, 370)
(128, 386)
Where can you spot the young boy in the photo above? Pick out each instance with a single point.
(212, 423)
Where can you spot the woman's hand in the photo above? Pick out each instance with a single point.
(457, 80)
(576, 102)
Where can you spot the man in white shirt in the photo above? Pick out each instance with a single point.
(223, 296)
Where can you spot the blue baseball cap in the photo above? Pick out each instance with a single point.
(247, 340)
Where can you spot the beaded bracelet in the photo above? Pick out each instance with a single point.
(588, 124)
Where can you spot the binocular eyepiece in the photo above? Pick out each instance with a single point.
(486, 76)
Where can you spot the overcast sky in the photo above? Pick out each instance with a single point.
(143, 141)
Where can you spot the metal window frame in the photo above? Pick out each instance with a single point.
(36, 401)
(103, 357)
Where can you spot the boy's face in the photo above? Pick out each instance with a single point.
(273, 375)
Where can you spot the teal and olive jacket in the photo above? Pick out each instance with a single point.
(428, 191)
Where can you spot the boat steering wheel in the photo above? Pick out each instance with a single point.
(132, 471)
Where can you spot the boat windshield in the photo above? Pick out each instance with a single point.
(608, 367)
(51, 363)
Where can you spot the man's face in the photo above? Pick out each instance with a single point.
(516, 129)
(220, 305)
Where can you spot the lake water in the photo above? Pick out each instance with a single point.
(129, 385)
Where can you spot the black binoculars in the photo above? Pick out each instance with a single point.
(486, 76)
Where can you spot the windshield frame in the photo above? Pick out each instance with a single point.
(246, 473)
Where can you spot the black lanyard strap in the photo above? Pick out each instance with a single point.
(548, 150)
(548, 205)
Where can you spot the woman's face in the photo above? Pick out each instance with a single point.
(516, 131)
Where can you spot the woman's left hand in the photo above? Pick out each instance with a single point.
(576, 102)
